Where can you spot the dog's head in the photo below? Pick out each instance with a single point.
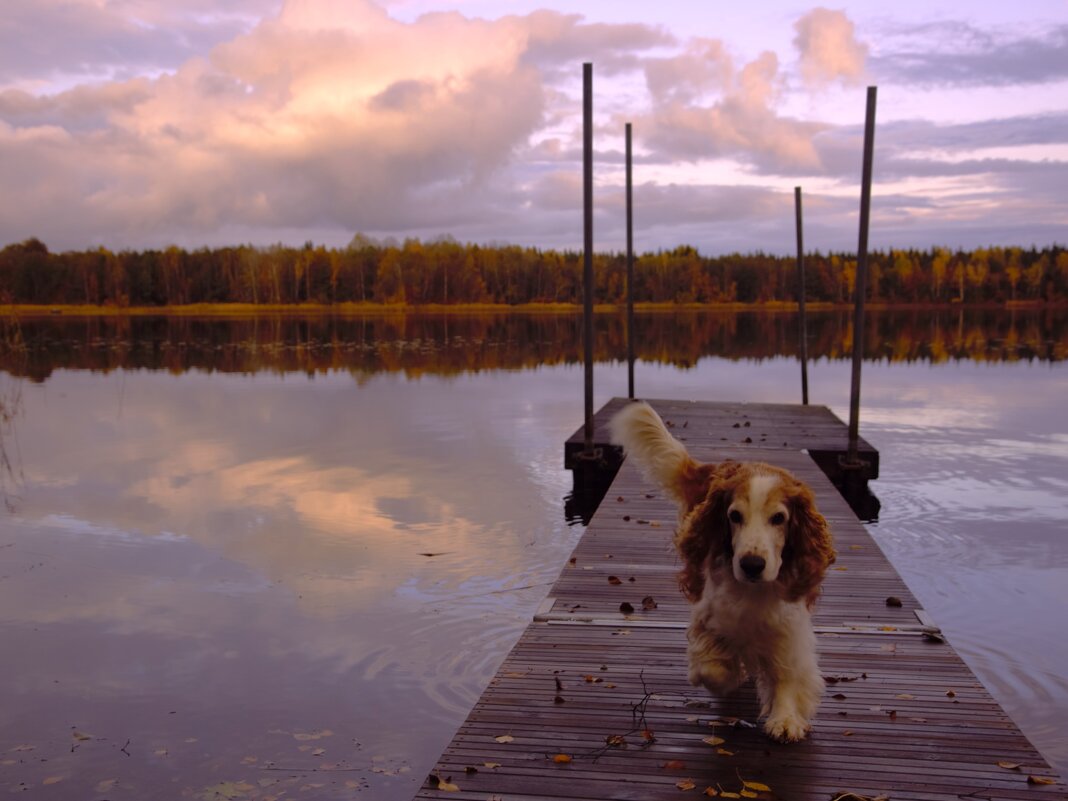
(758, 521)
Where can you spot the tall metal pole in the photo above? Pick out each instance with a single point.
(587, 256)
(630, 268)
(862, 272)
(803, 325)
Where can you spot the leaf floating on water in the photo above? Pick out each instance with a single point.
(504, 738)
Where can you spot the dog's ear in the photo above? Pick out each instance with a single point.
(704, 534)
(809, 549)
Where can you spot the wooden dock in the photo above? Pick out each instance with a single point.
(593, 702)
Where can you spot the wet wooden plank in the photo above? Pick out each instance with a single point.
(903, 715)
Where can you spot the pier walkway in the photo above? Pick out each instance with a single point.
(593, 702)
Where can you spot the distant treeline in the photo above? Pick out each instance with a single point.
(447, 272)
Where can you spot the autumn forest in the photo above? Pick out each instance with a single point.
(446, 272)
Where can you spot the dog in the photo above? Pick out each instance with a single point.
(754, 550)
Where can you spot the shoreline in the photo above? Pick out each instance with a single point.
(392, 309)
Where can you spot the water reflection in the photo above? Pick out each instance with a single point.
(221, 572)
(451, 345)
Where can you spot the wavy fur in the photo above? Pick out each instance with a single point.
(754, 550)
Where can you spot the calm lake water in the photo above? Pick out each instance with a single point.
(246, 557)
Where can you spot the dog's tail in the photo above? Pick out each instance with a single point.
(662, 458)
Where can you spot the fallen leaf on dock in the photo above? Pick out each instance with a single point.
(685, 784)
(713, 740)
(491, 765)
(648, 603)
(1010, 765)
(626, 608)
(614, 580)
(504, 738)
(894, 601)
(675, 764)
(760, 788)
(1040, 780)
(562, 759)
(57, 779)
(616, 741)
(105, 785)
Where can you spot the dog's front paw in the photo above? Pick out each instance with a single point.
(787, 728)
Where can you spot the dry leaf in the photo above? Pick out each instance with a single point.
(724, 752)
(491, 765)
(904, 696)
(894, 601)
(626, 608)
(648, 736)
(58, 779)
(1040, 780)
(648, 603)
(614, 580)
(685, 784)
(77, 735)
(748, 794)
(504, 738)
(760, 788)
(1010, 765)
(711, 792)
(950, 694)
(847, 733)
(725, 794)
(448, 786)
(561, 759)
(713, 740)
(616, 740)
(675, 764)
(107, 784)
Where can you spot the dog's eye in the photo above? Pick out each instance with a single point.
(778, 519)
(735, 517)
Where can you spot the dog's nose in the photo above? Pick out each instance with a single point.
(752, 566)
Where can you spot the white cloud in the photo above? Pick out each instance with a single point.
(828, 47)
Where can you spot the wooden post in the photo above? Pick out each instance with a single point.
(587, 256)
(861, 288)
(630, 266)
(802, 323)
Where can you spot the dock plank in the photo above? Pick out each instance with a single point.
(903, 715)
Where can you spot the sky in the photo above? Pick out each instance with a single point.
(145, 123)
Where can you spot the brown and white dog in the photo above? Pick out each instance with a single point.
(754, 551)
